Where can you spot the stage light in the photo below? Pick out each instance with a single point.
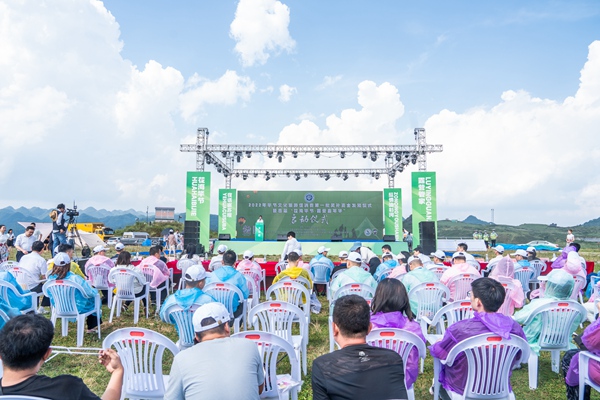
(388, 154)
(343, 154)
(279, 156)
(317, 154)
(356, 174)
(377, 175)
(414, 159)
(339, 174)
(245, 176)
(208, 160)
(327, 177)
(401, 168)
(306, 175)
(287, 174)
(219, 170)
(238, 156)
(398, 156)
(280, 159)
(255, 174)
(373, 156)
(298, 177)
(248, 154)
(365, 154)
(393, 174)
(320, 175)
(345, 177)
(295, 154)
(237, 174)
(270, 154)
(267, 177)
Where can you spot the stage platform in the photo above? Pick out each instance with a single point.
(261, 249)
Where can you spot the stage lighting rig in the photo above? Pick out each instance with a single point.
(295, 154)
(280, 156)
(270, 154)
(365, 154)
(317, 154)
(373, 156)
(342, 154)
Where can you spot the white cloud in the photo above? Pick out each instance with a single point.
(260, 27)
(307, 115)
(286, 92)
(328, 81)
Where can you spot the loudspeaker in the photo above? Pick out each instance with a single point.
(224, 236)
(427, 236)
(191, 224)
(389, 238)
(336, 238)
(281, 237)
(190, 237)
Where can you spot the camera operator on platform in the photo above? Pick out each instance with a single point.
(59, 227)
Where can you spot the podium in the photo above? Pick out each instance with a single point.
(259, 231)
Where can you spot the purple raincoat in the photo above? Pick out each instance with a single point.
(591, 340)
(455, 378)
(562, 259)
(397, 320)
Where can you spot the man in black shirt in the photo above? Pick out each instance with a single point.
(25, 346)
(357, 370)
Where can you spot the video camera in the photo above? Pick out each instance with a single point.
(72, 212)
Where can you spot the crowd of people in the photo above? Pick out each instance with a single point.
(356, 370)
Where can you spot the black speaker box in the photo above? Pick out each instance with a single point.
(224, 236)
(427, 236)
(191, 224)
(336, 238)
(389, 238)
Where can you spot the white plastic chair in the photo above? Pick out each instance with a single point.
(385, 274)
(62, 293)
(475, 264)
(462, 285)
(6, 265)
(281, 265)
(183, 264)
(363, 290)
(585, 357)
(555, 336)
(224, 293)
(438, 270)
(256, 277)
(98, 277)
(322, 274)
(183, 322)
(254, 296)
(490, 359)
(524, 275)
(402, 342)
(7, 288)
(124, 280)
(538, 267)
(509, 287)
(446, 316)
(277, 317)
(269, 347)
(580, 283)
(299, 279)
(148, 272)
(141, 351)
(430, 297)
(292, 292)
(20, 275)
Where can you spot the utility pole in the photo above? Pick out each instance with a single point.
(147, 220)
(492, 215)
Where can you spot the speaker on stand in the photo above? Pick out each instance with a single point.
(427, 236)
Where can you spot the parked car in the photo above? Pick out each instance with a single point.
(112, 241)
(539, 243)
(134, 238)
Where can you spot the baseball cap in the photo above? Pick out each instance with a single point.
(248, 254)
(439, 254)
(215, 310)
(99, 248)
(222, 248)
(194, 274)
(521, 253)
(355, 246)
(61, 259)
(323, 249)
(531, 249)
(410, 259)
(170, 230)
(499, 248)
(119, 246)
(459, 254)
(343, 254)
(355, 257)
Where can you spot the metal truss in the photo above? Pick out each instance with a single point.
(224, 157)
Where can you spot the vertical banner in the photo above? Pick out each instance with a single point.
(392, 208)
(259, 230)
(197, 204)
(424, 201)
(227, 211)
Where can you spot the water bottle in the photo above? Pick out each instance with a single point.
(137, 256)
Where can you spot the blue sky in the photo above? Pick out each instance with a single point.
(124, 82)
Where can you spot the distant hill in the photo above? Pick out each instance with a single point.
(592, 222)
(471, 219)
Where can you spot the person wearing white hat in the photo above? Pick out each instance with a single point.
(343, 255)
(195, 279)
(521, 259)
(248, 264)
(321, 257)
(217, 261)
(459, 266)
(353, 274)
(99, 258)
(119, 247)
(438, 257)
(499, 251)
(218, 366)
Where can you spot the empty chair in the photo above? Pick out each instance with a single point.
(446, 316)
(129, 284)
(292, 292)
(490, 360)
(65, 296)
(438, 270)
(16, 297)
(8, 264)
(183, 323)
(429, 298)
(403, 343)
(538, 267)
(524, 275)
(460, 285)
(270, 346)
(98, 277)
(322, 274)
(225, 293)
(20, 275)
(141, 351)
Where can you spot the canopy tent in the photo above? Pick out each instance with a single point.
(90, 239)
(44, 227)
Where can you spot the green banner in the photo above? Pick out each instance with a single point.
(424, 202)
(392, 209)
(227, 211)
(197, 204)
(312, 215)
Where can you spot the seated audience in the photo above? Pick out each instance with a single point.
(353, 274)
(521, 259)
(68, 250)
(487, 295)
(387, 264)
(558, 287)
(438, 258)
(35, 267)
(418, 274)
(418, 252)
(400, 270)
(321, 257)
(25, 346)
(357, 370)
(499, 254)
(217, 261)
(367, 256)
(532, 254)
(390, 308)
(14, 301)
(248, 263)
(227, 273)
(505, 271)
(560, 261)
(161, 273)
(99, 258)
(218, 366)
(459, 266)
(293, 271)
(119, 247)
(190, 253)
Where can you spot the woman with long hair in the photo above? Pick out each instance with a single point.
(390, 308)
(190, 253)
(124, 261)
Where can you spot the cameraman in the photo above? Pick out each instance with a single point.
(59, 228)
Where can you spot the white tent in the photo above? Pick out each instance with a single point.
(90, 239)
(44, 227)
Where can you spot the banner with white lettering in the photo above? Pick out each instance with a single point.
(424, 202)
(392, 209)
(197, 205)
(227, 211)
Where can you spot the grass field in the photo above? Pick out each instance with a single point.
(550, 386)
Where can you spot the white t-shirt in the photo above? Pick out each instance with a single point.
(291, 245)
(24, 242)
(570, 238)
(36, 266)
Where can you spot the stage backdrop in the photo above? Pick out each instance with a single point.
(312, 215)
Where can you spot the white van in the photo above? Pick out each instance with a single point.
(134, 238)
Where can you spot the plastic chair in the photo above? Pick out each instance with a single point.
(524, 275)
(62, 293)
(537, 266)
(183, 322)
(124, 280)
(98, 277)
(322, 274)
(438, 270)
(462, 285)
(292, 292)
(580, 283)
(475, 264)
(361, 289)
(224, 293)
(446, 316)
(555, 336)
(269, 347)
(254, 297)
(277, 317)
(281, 265)
(509, 287)
(6, 265)
(256, 277)
(183, 264)
(7, 289)
(490, 359)
(385, 274)
(141, 351)
(148, 272)
(430, 297)
(20, 275)
(584, 375)
(301, 280)
(365, 267)
(402, 342)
